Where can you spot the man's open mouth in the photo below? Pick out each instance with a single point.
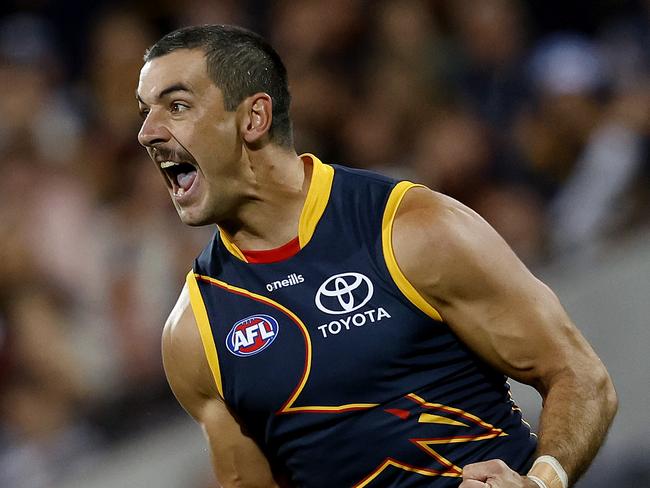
(180, 175)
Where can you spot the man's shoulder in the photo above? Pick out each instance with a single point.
(435, 235)
(185, 366)
(178, 317)
(429, 210)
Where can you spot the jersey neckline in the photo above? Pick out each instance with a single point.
(281, 253)
(316, 201)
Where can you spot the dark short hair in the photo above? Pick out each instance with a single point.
(240, 63)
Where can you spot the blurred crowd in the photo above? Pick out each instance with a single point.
(533, 113)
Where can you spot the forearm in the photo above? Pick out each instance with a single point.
(576, 415)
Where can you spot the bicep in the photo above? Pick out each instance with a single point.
(491, 301)
(237, 459)
(510, 319)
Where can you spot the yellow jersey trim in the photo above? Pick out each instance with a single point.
(405, 286)
(317, 198)
(203, 324)
(493, 431)
(316, 201)
(449, 468)
(428, 418)
(234, 250)
(389, 462)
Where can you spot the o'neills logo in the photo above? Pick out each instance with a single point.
(252, 335)
(292, 279)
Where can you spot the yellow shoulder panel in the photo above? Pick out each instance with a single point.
(316, 200)
(400, 280)
(203, 323)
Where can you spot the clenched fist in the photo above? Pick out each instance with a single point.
(493, 474)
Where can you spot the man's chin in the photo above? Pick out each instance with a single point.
(193, 219)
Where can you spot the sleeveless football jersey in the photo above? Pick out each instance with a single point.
(334, 363)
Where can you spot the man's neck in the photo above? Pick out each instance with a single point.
(270, 217)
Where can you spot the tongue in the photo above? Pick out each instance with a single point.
(185, 180)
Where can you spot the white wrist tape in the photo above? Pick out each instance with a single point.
(549, 472)
(537, 481)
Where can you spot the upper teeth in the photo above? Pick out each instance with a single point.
(168, 164)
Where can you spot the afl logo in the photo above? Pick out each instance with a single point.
(344, 293)
(252, 335)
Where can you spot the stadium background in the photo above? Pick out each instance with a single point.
(534, 113)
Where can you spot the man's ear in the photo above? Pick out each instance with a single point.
(256, 117)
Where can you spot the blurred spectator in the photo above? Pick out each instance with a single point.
(35, 108)
(625, 39)
(115, 56)
(319, 43)
(595, 149)
(43, 430)
(453, 155)
(492, 44)
(194, 12)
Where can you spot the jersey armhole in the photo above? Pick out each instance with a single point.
(203, 324)
(404, 285)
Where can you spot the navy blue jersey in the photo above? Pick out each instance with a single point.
(334, 363)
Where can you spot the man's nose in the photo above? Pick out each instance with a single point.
(153, 132)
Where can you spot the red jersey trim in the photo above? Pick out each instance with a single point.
(281, 253)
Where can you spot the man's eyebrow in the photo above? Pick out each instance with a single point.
(177, 87)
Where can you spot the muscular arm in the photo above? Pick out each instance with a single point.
(509, 319)
(237, 460)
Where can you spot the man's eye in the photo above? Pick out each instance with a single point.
(144, 112)
(178, 107)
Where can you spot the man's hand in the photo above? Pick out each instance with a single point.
(493, 474)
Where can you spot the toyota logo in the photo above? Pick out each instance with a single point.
(344, 293)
